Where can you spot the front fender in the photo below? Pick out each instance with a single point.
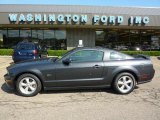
(35, 72)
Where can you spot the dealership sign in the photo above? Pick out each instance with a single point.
(68, 18)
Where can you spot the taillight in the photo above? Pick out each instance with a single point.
(35, 52)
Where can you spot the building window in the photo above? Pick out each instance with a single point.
(25, 34)
(37, 36)
(49, 39)
(121, 39)
(61, 41)
(12, 38)
(3, 38)
(52, 39)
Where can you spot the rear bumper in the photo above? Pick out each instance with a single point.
(146, 77)
(9, 82)
(141, 82)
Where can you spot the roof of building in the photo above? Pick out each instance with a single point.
(82, 9)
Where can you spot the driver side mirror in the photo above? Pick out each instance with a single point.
(67, 61)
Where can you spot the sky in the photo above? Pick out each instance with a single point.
(138, 3)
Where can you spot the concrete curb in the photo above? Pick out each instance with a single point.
(6, 56)
(11, 56)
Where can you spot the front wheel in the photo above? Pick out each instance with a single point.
(28, 85)
(124, 83)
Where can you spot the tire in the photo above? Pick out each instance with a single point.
(124, 83)
(28, 85)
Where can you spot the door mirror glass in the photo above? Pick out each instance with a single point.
(67, 61)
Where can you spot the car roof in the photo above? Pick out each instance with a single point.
(96, 48)
(92, 48)
(27, 43)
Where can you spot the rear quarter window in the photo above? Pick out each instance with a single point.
(117, 56)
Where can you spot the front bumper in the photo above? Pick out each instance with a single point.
(9, 82)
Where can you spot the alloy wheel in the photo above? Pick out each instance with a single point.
(125, 84)
(27, 85)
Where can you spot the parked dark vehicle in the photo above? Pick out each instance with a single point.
(80, 68)
(28, 50)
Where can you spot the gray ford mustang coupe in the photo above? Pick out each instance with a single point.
(81, 68)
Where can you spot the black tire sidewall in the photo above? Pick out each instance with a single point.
(39, 86)
(115, 86)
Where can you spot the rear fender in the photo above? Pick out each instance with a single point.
(129, 69)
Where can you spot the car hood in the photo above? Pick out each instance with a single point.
(34, 62)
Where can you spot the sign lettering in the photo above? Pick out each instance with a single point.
(68, 18)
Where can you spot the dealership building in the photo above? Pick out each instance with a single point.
(62, 26)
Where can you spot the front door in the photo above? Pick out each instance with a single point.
(85, 69)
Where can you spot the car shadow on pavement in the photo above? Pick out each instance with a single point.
(6, 89)
(107, 90)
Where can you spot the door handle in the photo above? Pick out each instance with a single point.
(96, 66)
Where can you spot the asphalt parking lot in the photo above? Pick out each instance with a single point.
(142, 104)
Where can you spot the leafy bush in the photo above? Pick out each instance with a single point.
(149, 53)
(6, 51)
(56, 52)
(62, 52)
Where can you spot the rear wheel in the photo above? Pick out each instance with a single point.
(124, 83)
(28, 85)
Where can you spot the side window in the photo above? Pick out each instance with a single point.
(116, 56)
(87, 56)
